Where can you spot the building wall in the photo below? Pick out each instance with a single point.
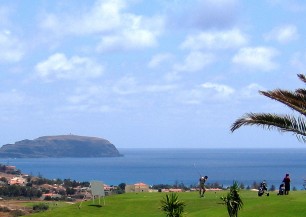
(129, 188)
(136, 188)
(141, 188)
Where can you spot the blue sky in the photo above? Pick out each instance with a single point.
(148, 74)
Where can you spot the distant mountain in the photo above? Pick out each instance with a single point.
(59, 147)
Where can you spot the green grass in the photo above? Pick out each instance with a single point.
(147, 205)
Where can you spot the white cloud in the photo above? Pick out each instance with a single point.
(90, 97)
(117, 29)
(126, 40)
(251, 90)
(11, 47)
(206, 92)
(220, 89)
(256, 58)
(215, 40)
(283, 34)
(58, 66)
(195, 61)
(113, 96)
(136, 32)
(102, 17)
(158, 59)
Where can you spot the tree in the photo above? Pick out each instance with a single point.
(233, 201)
(242, 186)
(272, 188)
(121, 188)
(255, 185)
(172, 206)
(70, 191)
(295, 100)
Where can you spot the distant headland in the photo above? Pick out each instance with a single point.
(59, 147)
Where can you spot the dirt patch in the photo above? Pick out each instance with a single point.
(10, 208)
(5, 214)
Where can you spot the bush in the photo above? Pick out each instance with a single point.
(48, 198)
(40, 207)
(233, 200)
(172, 206)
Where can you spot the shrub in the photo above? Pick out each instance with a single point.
(172, 206)
(48, 198)
(233, 201)
(40, 207)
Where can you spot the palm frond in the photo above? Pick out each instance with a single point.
(301, 91)
(302, 77)
(294, 100)
(283, 123)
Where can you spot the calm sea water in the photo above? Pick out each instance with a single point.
(168, 166)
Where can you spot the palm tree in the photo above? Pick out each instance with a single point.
(172, 206)
(295, 100)
(233, 201)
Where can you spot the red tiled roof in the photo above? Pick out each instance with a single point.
(140, 184)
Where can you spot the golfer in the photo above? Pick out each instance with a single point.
(287, 180)
(202, 185)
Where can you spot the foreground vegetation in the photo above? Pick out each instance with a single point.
(148, 205)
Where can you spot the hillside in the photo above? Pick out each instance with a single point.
(60, 146)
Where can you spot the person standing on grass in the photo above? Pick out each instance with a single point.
(286, 181)
(202, 185)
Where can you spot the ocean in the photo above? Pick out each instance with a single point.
(170, 166)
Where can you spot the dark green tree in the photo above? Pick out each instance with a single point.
(296, 100)
(121, 188)
(233, 201)
(40, 207)
(272, 188)
(242, 186)
(172, 206)
(70, 191)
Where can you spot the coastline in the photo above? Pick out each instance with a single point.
(175, 165)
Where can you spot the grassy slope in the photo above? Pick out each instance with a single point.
(147, 204)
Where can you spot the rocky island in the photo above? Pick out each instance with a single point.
(59, 147)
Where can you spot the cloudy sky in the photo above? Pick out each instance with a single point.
(148, 74)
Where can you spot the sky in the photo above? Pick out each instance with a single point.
(148, 74)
